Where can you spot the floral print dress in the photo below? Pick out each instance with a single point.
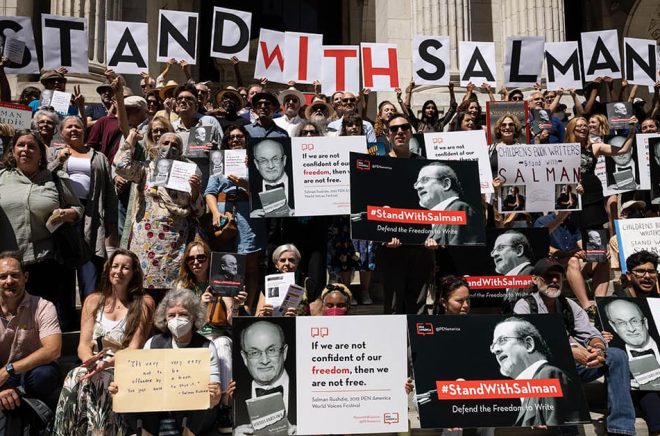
(163, 221)
(85, 406)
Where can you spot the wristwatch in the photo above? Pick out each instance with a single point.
(10, 369)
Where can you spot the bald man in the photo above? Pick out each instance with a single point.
(629, 322)
(270, 162)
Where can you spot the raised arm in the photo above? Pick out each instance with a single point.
(5, 89)
(603, 149)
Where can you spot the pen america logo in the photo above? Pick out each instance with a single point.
(364, 165)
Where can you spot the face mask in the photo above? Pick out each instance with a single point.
(167, 152)
(179, 326)
(335, 311)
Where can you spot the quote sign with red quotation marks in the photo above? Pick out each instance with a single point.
(350, 381)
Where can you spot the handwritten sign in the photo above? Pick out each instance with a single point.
(162, 380)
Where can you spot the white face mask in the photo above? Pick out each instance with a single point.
(179, 326)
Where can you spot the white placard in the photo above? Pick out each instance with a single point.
(65, 43)
(61, 102)
(349, 379)
(476, 62)
(562, 65)
(637, 234)
(275, 289)
(600, 55)
(231, 34)
(538, 172)
(125, 51)
(14, 50)
(340, 69)
(16, 115)
(321, 173)
(235, 163)
(380, 68)
(470, 145)
(303, 55)
(177, 36)
(523, 61)
(643, 165)
(21, 28)
(270, 56)
(180, 174)
(640, 61)
(431, 60)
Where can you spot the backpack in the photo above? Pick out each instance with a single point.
(33, 418)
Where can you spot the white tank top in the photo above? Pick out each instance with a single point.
(80, 173)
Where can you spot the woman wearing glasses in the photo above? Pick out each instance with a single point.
(227, 197)
(308, 128)
(161, 217)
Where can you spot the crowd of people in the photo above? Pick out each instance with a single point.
(141, 267)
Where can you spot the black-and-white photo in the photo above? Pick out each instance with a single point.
(654, 151)
(594, 242)
(619, 114)
(199, 142)
(264, 365)
(273, 292)
(227, 274)
(438, 200)
(160, 176)
(513, 198)
(622, 170)
(271, 174)
(519, 354)
(566, 197)
(500, 272)
(216, 162)
(631, 323)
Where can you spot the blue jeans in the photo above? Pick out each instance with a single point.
(43, 382)
(621, 412)
(88, 276)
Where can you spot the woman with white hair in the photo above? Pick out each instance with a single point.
(178, 316)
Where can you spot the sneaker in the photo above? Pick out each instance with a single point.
(366, 299)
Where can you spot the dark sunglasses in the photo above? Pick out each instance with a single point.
(309, 133)
(404, 127)
(348, 100)
(201, 258)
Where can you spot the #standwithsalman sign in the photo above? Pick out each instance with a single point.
(489, 382)
(538, 178)
(437, 200)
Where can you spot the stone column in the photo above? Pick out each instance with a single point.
(531, 18)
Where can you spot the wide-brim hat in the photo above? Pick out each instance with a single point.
(632, 203)
(328, 111)
(230, 91)
(264, 95)
(291, 91)
(171, 84)
(50, 74)
(103, 86)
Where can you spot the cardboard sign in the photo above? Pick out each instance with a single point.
(635, 331)
(499, 271)
(231, 34)
(476, 62)
(431, 61)
(523, 61)
(125, 52)
(340, 69)
(20, 28)
(16, 115)
(562, 64)
(636, 234)
(177, 36)
(380, 68)
(470, 145)
(479, 386)
(433, 199)
(65, 43)
(538, 178)
(162, 380)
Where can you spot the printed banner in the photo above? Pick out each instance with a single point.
(500, 271)
(636, 234)
(349, 377)
(470, 145)
(635, 331)
(433, 199)
(538, 178)
(491, 380)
